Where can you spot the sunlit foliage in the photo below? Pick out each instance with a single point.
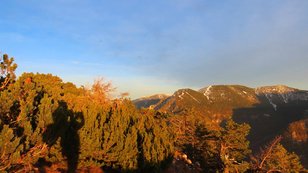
(44, 120)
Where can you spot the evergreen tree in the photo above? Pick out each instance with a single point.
(7, 70)
(155, 141)
(275, 158)
(225, 149)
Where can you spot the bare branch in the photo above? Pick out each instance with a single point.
(269, 150)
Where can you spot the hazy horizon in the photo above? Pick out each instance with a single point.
(154, 47)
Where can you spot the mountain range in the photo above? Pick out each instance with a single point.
(269, 110)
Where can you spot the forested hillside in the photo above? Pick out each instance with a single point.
(47, 125)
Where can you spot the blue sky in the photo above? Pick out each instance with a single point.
(147, 47)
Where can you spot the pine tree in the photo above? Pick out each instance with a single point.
(7, 71)
(155, 141)
(275, 158)
(225, 149)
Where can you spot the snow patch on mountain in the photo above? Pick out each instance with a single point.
(181, 95)
(268, 96)
(207, 92)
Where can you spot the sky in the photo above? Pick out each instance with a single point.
(146, 47)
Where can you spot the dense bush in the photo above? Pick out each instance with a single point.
(45, 120)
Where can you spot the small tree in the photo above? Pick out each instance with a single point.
(7, 70)
(234, 146)
(275, 158)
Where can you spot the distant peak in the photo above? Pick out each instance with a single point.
(160, 96)
(223, 86)
(182, 91)
(275, 89)
(156, 96)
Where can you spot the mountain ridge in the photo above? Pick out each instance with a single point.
(269, 110)
(267, 91)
